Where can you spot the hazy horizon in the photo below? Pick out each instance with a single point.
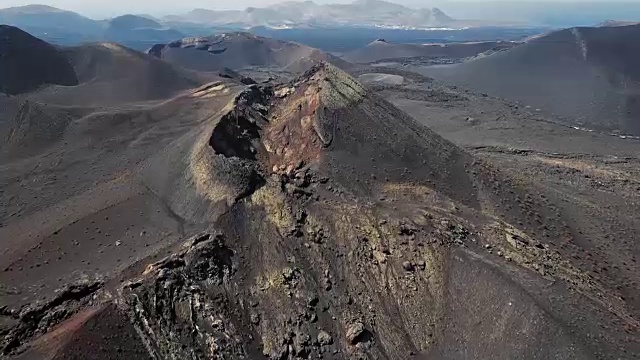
(99, 9)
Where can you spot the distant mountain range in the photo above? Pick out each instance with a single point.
(366, 13)
(66, 27)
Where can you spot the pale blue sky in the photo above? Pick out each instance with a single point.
(107, 8)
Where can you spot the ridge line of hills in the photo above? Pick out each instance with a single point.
(292, 13)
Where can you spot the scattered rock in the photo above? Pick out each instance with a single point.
(407, 229)
(408, 266)
(284, 92)
(313, 318)
(295, 231)
(327, 284)
(324, 338)
(290, 277)
(313, 301)
(300, 345)
(355, 331)
(457, 233)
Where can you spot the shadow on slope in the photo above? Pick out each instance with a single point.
(27, 63)
(110, 74)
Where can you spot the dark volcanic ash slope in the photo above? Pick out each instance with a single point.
(27, 63)
(241, 50)
(107, 78)
(335, 225)
(587, 75)
(380, 50)
(27, 127)
(110, 74)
